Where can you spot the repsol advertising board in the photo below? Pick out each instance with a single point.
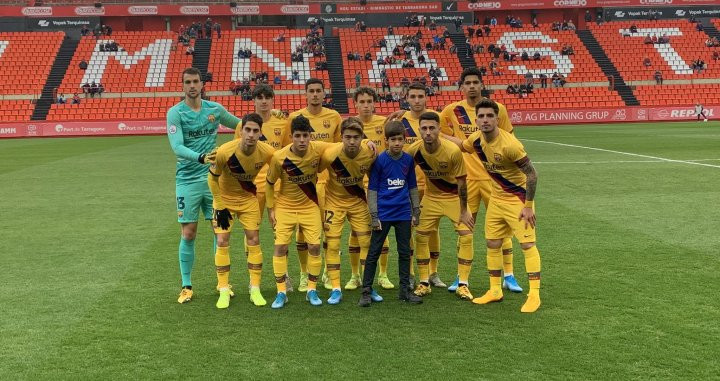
(636, 13)
(385, 19)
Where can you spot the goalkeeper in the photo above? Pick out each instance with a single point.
(192, 128)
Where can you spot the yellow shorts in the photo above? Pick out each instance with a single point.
(334, 218)
(248, 214)
(431, 210)
(478, 191)
(501, 221)
(307, 220)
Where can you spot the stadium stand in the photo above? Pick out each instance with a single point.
(146, 62)
(652, 95)
(673, 59)
(16, 110)
(268, 55)
(113, 109)
(562, 98)
(26, 59)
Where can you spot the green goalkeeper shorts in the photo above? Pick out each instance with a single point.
(191, 198)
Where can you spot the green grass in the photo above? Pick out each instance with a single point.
(630, 275)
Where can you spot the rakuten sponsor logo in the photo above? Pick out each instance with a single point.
(484, 5)
(295, 9)
(89, 11)
(246, 10)
(37, 11)
(570, 3)
(143, 10)
(195, 10)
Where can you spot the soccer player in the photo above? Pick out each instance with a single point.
(445, 195)
(192, 128)
(231, 182)
(273, 128)
(347, 164)
(511, 207)
(365, 98)
(393, 200)
(457, 121)
(417, 99)
(700, 111)
(324, 127)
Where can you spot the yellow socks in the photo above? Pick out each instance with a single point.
(280, 271)
(434, 244)
(364, 243)
(222, 266)
(354, 250)
(332, 260)
(302, 249)
(314, 264)
(494, 265)
(465, 257)
(532, 266)
(423, 256)
(254, 262)
(383, 261)
(507, 251)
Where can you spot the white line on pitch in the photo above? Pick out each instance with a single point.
(624, 153)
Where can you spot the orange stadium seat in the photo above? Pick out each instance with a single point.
(662, 95)
(16, 110)
(26, 59)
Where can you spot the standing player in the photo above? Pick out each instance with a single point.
(347, 164)
(457, 120)
(511, 207)
(417, 99)
(700, 111)
(443, 165)
(231, 182)
(365, 98)
(324, 127)
(191, 128)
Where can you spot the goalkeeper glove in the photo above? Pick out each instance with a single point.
(208, 158)
(223, 218)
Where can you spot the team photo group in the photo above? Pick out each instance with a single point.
(313, 170)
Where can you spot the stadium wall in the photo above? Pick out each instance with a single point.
(526, 118)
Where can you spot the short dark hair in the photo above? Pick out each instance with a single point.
(365, 90)
(191, 71)
(416, 86)
(300, 124)
(468, 72)
(253, 117)
(429, 116)
(352, 123)
(487, 103)
(312, 81)
(394, 128)
(264, 90)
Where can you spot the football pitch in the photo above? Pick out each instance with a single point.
(627, 231)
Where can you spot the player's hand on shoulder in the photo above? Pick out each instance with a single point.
(373, 147)
(208, 158)
(223, 217)
(278, 114)
(394, 115)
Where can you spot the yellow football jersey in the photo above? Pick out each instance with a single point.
(237, 171)
(345, 175)
(412, 134)
(501, 157)
(458, 119)
(375, 132)
(272, 134)
(297, 175)
(325, 125)
(442, 168)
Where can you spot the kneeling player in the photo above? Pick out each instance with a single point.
(234, 196)
(511, 209)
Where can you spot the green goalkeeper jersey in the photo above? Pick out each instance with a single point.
(193, 133)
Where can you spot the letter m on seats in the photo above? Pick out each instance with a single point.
(158, 51)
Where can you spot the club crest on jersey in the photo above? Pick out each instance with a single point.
(277, 131)
(315, 163)
(363, 168)
(443, 164)
(259, 165)
(211, 118)
(180, 213)
(326, 124)
(379, 130)
(498, 157)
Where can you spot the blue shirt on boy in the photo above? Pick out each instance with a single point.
(392, 179)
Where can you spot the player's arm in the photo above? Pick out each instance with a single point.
(286, 137)
(238, 132)
(273, 176)
(414, 196)
(177, 142)
(370, 145)
(461, 178)
(337, 137)
(229, 120)
(467, 144)
(528, 213)
(222, 214)
(372, 196)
